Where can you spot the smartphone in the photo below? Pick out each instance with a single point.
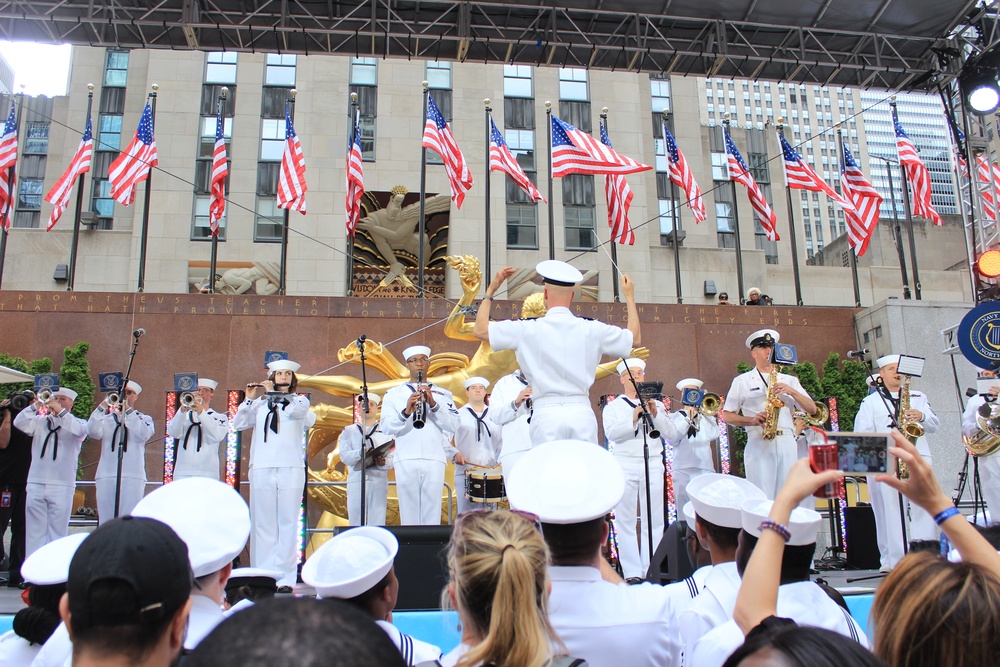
(862, 453)
(983, 385)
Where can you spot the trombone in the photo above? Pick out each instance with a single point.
(710, 404)
(820, 417)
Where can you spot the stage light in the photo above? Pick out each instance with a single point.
(988, 264)
(982, 92)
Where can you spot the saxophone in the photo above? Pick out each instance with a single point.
(911, 429)
(772, 406)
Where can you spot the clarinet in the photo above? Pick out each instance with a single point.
(420, 411)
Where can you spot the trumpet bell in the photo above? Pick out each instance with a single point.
(711, 404)
(113, 399)
(45, 395)
(821, 415)
(188, 399)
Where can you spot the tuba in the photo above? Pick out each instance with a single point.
(987, 440)
(911, 429)
(772, 406)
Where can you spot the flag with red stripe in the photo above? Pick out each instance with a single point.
(292, 177)
(133, 165)
(680, 174)
(800, 176)
(739, 172)
(438, 138)
(355, 180)
(501, 159)
(58, 196)
(8, 169)
(863, 217)
(576, 152)
(220, 169)
(916, 173)
(619, 196)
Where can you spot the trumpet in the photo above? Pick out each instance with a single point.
(189, 399)
(113, 399)
(420, 412)
(710, 404)
(45, 395)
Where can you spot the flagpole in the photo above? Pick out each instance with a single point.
(614, 242)
(791, 230)
(422, 222)
(897, 230)
(488, 110)
(71, 278)
(909, 212)
(10, 190)
(736, 227)
(850, 247)
(675, 242)
(552, 231)
(283, 267)
(215, 233)
(144, 231)
(350, 237)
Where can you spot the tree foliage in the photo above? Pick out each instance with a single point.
(74, 373)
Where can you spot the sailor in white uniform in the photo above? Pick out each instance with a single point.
(419, 459)
(214, 521)
(57, 437)
(605, 623)
(626, 428)
(683, 592)
(352, 440)
(716, 501)
(280, 420)
(356, 566)
(874, 417)
(989, 465)
(123, 426)
(199, 433)
(693, 445)
(767, 461)
(559, 351)
(801, 600)
(510, 408)
(477, 438)
(246, 585)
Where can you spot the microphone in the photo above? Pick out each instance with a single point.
(857, 354)
(361, 341)
(139, 333)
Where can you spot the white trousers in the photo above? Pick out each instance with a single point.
(418, 486)
(377, 491)
(556, 419)
(133, 489)
(275, 504)
(681, 479)
(633, 550)
(989, 477)
(888, 526)
(767, 462)
(46, 514)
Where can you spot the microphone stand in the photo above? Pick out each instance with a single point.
(647, 428)
(364, 431)
(124, 441)
(893, 414)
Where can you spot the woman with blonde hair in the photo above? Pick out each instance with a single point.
(498, 567)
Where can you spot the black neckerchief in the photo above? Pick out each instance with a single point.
(633, 406)
(480, 423)
(54, 434)
(271, 419)
(187, 434)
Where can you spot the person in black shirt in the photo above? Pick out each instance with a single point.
(15, 459)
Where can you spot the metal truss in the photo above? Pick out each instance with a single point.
(891, 44)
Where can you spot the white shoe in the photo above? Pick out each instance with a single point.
(885, 569)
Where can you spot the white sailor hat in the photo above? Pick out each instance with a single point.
(65, 391)
(254, 576)
(476, 380)
(134, 386)
(803, 523)
(688, 511)
(884, 361)
(559, 273)
(590, 482)
(374, 398)
(631, 362)
(207, 384)
(351, 563)
(414, 350)
(718, 498)
(763, 337)
(689, 382)
(284, 365)
(211, 517)
(872, 379)
(49, 565)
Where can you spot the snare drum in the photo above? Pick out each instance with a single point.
(485, 485)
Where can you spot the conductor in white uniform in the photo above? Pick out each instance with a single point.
(559, 351)
(510, 408)
(199, 433)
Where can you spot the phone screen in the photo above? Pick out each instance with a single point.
(865, 453)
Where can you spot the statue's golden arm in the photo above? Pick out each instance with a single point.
(608, 368)
(468, 270)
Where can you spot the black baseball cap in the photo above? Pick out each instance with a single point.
(145, 554)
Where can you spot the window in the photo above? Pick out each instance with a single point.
(116, 69)
(210, 94)
(109, 133)
(660, 91)
(272, 101)
(103, 204)
(578, 212)
(364, 72)
(438, 76)
(279, 70)
(364, 79)
(519, 121)
(270, 219)
(36, 136)
(272, 139)
(29, 203)
(666, 208)
(573, 85)
(200, 228)
(576, 114)
(522, 223)
(220, 67)
(517, 81)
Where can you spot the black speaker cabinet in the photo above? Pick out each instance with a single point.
(670, 560)
(421, 565)
(862, 543)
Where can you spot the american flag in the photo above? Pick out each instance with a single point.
(133, 165)
(501, 159)
(800, 176)
(989, 178)
(8, 169)
(355, 180)
(438, 138)
(58, 196)
(863, 218)
(739, 172)
(220, 168)
(619, 196)
(292, 177)
(682, 177)
(916, 173)
(576, 152)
